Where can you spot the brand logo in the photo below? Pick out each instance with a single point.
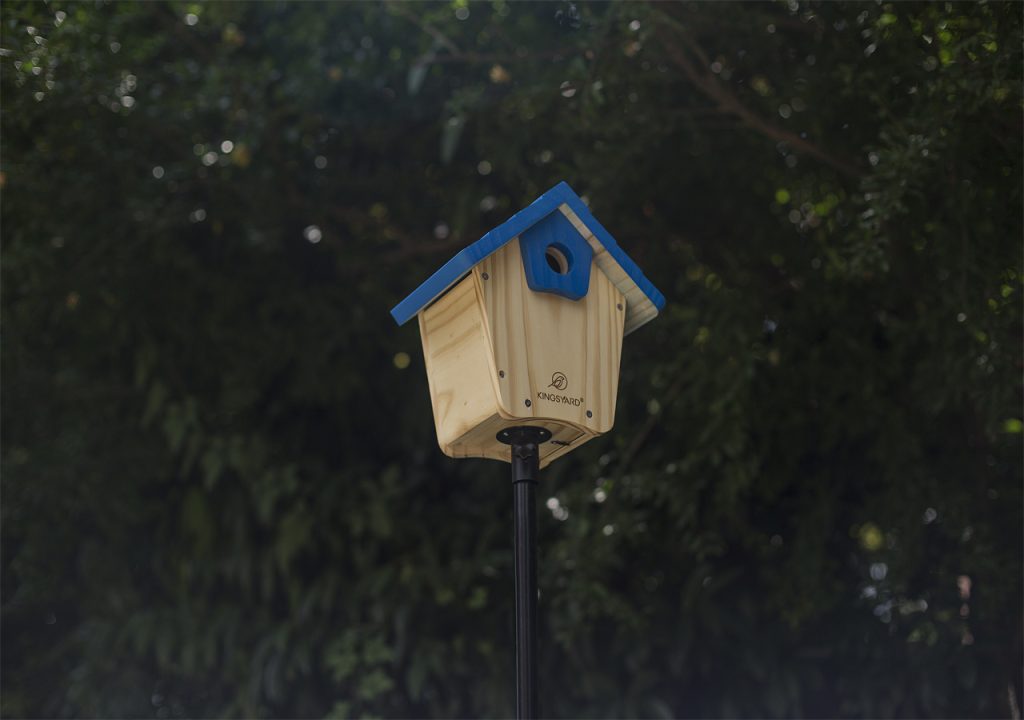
(560, 399)
(559, 382)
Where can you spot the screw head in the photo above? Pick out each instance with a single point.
(485, 276)
(528, 403)
(590, 414)
(501, 373)
(619, 306)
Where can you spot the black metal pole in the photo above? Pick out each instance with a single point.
(525, 442)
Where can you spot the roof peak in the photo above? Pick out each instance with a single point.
(642, 298)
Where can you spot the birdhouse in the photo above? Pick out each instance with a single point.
(525, 327)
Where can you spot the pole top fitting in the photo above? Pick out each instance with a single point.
(524, 434)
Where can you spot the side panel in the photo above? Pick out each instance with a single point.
(554, 357)
(459, 363)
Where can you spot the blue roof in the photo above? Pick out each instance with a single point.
(456, 268)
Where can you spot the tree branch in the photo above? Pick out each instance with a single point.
(652, 422)
(727, 102)
(439, 37)
(474, 57)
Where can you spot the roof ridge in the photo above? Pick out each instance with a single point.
(552, 200)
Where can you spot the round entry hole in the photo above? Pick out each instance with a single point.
(557, 259)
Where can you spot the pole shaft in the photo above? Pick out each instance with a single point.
(525, 469)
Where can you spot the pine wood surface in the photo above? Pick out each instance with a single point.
(490, 344)
(536, 335)
(459, 367)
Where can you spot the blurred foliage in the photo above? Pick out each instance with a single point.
(222, 495)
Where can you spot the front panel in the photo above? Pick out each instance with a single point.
(554, 357)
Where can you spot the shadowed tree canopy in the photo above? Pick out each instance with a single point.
(221, 490)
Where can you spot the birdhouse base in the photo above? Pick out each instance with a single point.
(500, 355)
(482, 441)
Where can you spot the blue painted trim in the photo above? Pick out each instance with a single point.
(604, 237)
(453, 271)
(556, 230)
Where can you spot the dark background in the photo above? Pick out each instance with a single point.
(222, 494)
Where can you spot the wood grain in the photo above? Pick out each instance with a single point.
(459, 367)
(560, 357)
(490, 344)
(481, 441)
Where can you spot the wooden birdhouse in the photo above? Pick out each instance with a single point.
(525, 327)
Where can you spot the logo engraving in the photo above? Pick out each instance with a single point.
(559, 382)
(559, 399)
